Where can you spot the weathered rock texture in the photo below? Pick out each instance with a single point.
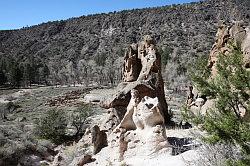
(238, 34)
(141, 97)
(141, 73)
(99, 139)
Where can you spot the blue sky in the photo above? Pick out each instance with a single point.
(20, 13)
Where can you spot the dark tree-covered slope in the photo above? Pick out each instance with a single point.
(188, 30)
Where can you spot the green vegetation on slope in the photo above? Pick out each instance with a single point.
(229, 121)
(88, 49)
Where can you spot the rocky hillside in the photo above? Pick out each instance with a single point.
(88, 42)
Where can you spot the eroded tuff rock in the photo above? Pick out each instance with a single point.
(142, 130)
(139, 106)
(238, 34)
(142, 72)
(99, 139)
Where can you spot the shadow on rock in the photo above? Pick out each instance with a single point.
(181, 145)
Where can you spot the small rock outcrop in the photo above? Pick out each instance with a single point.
(238, 34)
(99, 139)
(86, 159)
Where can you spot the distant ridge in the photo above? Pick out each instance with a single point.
(187, 29)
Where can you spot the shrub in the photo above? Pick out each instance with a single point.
(165, 55)
(230, 87)
(79, 118)
(6, 109)
(52, 126)
(14, 143)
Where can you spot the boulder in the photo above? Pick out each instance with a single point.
(99, 139)
(199, 102)
(86, 159)
(89, 98)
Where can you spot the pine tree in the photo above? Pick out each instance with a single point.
(15, 77)
(26, 73)
(3, 78)
(43, 74)
(165, 55)
(231, 89)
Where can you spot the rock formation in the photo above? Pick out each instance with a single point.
(139, 106)
(86, 159)
(237, 34)
(142, 72)
(246, 47)
(190, 97)
(99, 139)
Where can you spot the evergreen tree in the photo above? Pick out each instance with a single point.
(43, 74)
(15, 75)
(229, 120)
(26, 73)
(33, 70)
(165, 55)
(3, 78)
(52, 125)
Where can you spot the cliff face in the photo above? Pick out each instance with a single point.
(236, 34)
(187, 29)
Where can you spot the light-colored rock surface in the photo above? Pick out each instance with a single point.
(137, 111)
(238, 34)
(110, 155)
(139, 106)
(144, 129)
(89, 98)
(162, 159)
(149, 81)
(246, 48)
